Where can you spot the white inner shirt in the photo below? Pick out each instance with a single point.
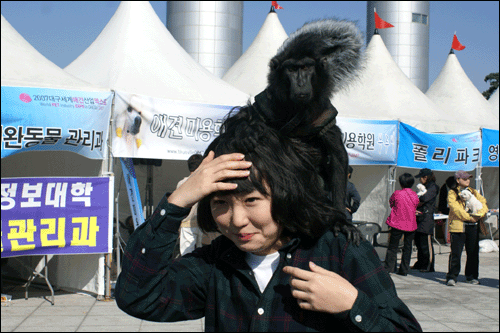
(263, 267)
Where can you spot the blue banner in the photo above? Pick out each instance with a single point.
(490, 148)
(370, 141)
(134, 196)
(55, 119)
(441, 152)
(56, 216)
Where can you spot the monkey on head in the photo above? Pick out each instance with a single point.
(316, 61)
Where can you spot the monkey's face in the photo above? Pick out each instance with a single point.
(301, 76)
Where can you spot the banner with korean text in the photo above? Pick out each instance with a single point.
(134, 195)
(148, 127)
(490, 147)
(370, 141)
(56, 216)
(440, 152)
(43, 119)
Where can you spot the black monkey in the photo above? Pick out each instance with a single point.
(317, 60)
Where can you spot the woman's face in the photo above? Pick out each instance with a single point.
(463, 182)
(423, 180)
(246, 220)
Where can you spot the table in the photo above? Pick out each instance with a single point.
(37, 272)
(440, 217)
(493, 212)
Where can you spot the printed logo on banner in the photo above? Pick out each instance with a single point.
(25, 98)
(442, 152)
(55, 216)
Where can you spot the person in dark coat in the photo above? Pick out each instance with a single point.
(443, 208)
(425, 222)
(352, 197)
(443, 195)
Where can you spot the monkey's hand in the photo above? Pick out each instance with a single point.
(350, 231)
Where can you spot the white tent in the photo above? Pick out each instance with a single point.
(454, 92)
(24, 66)
(249, 73)
(456, 95)
(494, 103)
(383, 91)
(135, 53)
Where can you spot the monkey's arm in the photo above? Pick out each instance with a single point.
(350, 231)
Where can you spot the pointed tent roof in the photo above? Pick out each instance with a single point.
(494, 102)
(24, 66)
(383, 91)
(137, 54)
(455, 94)
(249, 73)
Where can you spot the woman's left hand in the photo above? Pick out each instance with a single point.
(321, 289)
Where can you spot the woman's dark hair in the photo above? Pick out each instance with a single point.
(451, 182)
(431, 179)
(282, 169)
(406, 180)
(194, 162)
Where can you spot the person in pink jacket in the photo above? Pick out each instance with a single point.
(402, 221)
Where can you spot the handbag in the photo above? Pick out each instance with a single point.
(482, 226)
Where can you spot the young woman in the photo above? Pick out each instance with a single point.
(464, 230)
(402, 221)
(277, 265)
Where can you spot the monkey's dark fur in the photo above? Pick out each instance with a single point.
(316, 61)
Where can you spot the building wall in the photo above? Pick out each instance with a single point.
(408, 41)
(210, 31)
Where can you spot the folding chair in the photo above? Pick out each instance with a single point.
(369, 230)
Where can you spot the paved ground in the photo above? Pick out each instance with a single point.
(437, 307)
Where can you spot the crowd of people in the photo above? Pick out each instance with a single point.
(412, 216)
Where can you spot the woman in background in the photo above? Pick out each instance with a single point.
(464, 230)
(425, 222)
(402, 221)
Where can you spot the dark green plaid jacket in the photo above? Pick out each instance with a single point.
(216, 283)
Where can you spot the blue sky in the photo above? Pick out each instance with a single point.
(62, 30)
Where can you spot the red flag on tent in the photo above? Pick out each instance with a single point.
(275, 5)
(381, 24)
(456, 44)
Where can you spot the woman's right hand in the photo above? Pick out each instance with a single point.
(208, 178)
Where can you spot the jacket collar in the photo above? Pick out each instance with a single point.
(236, 258)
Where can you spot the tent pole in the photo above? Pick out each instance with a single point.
(109, 172)
(479, 179)
(391, 187)
(479, 171)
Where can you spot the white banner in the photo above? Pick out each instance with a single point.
(370, 141)
(147, 127)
